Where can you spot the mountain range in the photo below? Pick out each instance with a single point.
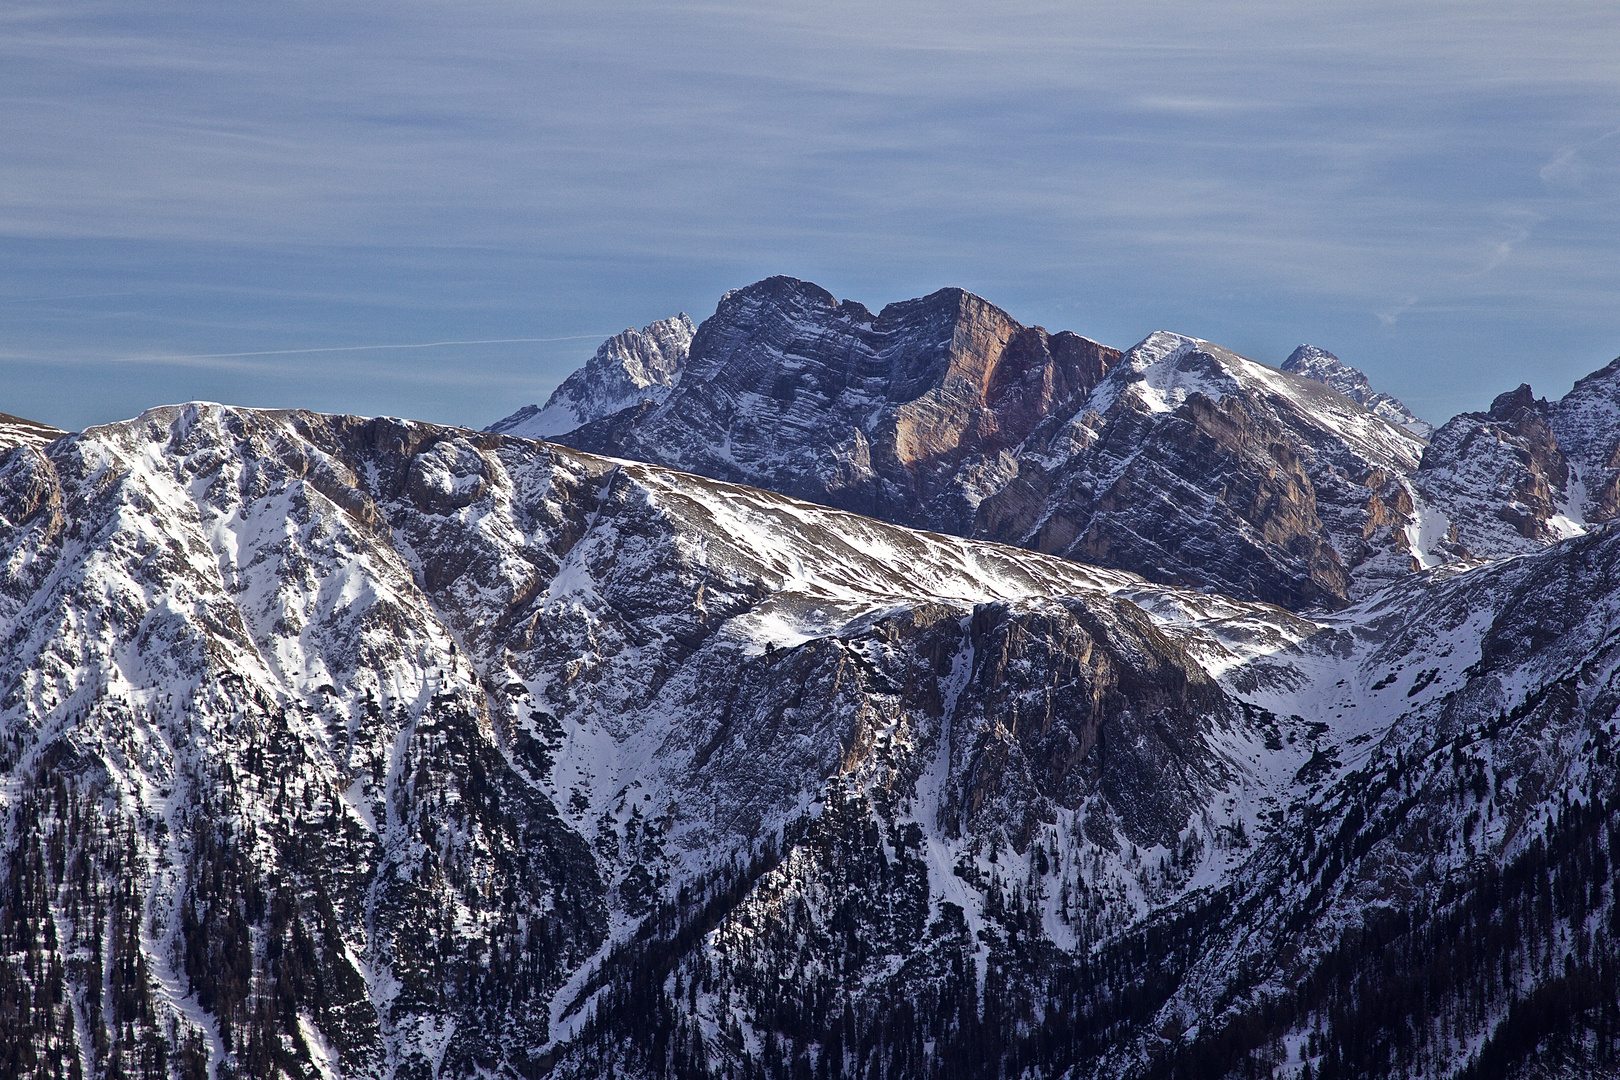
(835, 694)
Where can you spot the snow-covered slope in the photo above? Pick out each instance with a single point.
(15, 431)
(385, 685)
(629, 368)
(357, 747)
(1311, 362)
(1191, 464)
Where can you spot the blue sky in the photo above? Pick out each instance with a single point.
(193, 195)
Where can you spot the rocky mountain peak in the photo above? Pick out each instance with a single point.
(1508, 405)
(1313, 362)
(944, 412)
(1501, 476)
(630, 367)
(911, 414)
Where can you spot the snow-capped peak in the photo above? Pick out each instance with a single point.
(630, 367)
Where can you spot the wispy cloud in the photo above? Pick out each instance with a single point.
(1253, 171)
(196, 358)
(1389, 316)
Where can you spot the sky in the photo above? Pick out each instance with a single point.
(438, 210)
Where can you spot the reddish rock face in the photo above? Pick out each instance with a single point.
(907, 415)
(945, 413)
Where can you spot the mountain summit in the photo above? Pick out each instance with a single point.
(629, 368)
(1182, 461)
(342, 747)
(1311, 362)
(911, 414)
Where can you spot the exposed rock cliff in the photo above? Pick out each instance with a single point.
(1587, 423)
(911, 414)
(1500, 477)
(944, 413)
(1192, 465)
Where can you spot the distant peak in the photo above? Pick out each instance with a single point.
(1317, 364)
(628, 368)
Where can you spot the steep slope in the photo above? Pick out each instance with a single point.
(1586, 422)
(629, 368)
(1193, 465)
(1431, 893)
(343, 745)
(1501, 478)
(369, 748)
(910, 415)
(1311, 362)
(1445, 901)
(15, 431)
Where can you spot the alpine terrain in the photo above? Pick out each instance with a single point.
(888, 696)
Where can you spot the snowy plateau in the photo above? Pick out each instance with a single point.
(837, 695)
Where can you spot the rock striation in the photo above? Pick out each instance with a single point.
(15, 431)
(1192, 465)
(1189, 464)
(912, 414)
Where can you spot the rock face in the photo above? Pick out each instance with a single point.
(348, 747)
(1310, 362)
(1501, 477)
(629, 368)
(1587, 423)
(944, 413)
(15, 431)
(1192, 465)
(911, 414)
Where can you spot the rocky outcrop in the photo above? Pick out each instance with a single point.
(1190, 464)
(1500, 477)
(629, 368)
(1587, 423)
(1311, 362)
(911, 414)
